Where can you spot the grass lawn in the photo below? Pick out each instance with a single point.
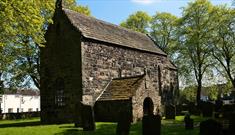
(33, 127)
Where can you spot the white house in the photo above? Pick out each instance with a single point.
(20, 101)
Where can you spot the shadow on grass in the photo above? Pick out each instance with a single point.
(21, 124)
(24, 124)
(101, 129)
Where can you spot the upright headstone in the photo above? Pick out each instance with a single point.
(207, 109)
(88, 121)
(188, 122)
(124, 122)
(151, 125)
(210, 127)
(170, 111)
(232, 123)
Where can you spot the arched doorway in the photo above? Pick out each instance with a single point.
(148, 106)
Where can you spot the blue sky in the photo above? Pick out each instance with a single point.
(116, 11)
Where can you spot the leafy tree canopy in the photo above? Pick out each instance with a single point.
(23, 24)
(138, 21)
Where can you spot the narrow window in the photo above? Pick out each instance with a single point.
(159, 80)
(59, 99)
(58, 28)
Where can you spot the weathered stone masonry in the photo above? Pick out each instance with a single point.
(83, 54)
(103, 61)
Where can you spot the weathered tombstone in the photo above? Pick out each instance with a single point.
(88, 121)
(124, 123)
(151, 125)
(218, 105)
(188, 122)
(170, 111)
(210, 127)
(232, 123)
(207, 109)
(218, 108)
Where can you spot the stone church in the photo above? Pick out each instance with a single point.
(87, 61)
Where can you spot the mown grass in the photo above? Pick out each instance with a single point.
(33, 127)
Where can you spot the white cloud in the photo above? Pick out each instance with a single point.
(145, 1)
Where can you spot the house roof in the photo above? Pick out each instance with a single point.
(121, 88)
(27, 92)
(93, 28)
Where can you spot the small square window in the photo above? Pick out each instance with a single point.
(10, 110)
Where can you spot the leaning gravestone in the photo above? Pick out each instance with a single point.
(88, 121)
(210, 127)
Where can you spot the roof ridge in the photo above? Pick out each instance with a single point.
(93, 28)
(108, 23)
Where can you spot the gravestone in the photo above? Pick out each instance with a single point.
(124, 123)
(188, 122)
(151, 125)
(210, 127)
(170, 111)
(232, 123)
(207, 109)
(88, 121)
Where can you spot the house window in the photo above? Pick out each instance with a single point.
(18, 110)
(30, 109)
(59, 87)
(22, 109)
(10, 110)
(36, 109)
(22, 100)
(0, 98)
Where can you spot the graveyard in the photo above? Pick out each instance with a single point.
(33, 126)
(117, 67)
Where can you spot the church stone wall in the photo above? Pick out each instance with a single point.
(103, 61)
(61, 88)
(145, 90)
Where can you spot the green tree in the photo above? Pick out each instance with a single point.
(71, 4)
(23, 24)
(163, 31)
(223, 41)
(195, 31)
(188, 94)
(139, 21)
(21, 21)
(213, 92)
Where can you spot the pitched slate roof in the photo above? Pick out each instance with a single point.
(121, 88)
(103, 31)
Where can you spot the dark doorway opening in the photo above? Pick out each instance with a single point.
(148, 106)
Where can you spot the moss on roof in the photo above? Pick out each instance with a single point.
(121, 88)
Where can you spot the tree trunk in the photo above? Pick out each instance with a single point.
(233, 82)
(1, 84)
(199, 89)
